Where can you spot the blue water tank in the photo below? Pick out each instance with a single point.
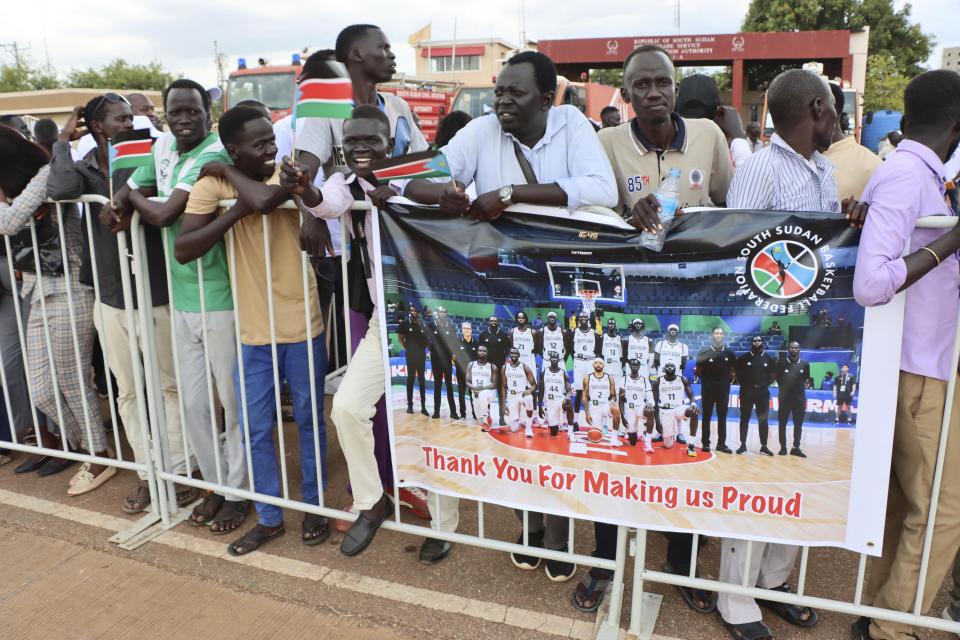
(877, 125)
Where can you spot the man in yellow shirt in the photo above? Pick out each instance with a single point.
(853, 163)
(265, 237)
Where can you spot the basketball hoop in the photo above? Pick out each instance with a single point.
(587, 300)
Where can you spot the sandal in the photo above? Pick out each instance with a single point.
(230, 517)
(316, 529)
(798, 616)
(700, 600)
(749, 630)
(139, 500)
(186, 495)
(254, 539)
(590, 590)
(208, 508)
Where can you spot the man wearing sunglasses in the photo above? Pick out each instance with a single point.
(104, 117)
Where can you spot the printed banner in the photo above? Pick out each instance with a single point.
(601, 412)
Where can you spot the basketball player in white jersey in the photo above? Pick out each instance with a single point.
(671, 350)
(603, 414)
(639, 346)
(611, 347)
(671, 392)
(482, 382)
(636, 405)
(553, 337)
(585, 350)
(519, 387)
(555, 395)
(524, 340)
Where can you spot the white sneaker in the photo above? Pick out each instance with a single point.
(528, 431)
(647, 445)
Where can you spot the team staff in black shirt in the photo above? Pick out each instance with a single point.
(444, 342)
(756, 371)
(415, 340)
(792, 374)
(715, 365)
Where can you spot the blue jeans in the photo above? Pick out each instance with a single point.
(293, 366)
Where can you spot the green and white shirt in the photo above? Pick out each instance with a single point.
(170, 171)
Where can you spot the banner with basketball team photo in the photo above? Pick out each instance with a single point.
(546, 361)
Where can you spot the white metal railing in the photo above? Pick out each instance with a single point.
(154, 460)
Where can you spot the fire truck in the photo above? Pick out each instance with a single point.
(274, 86)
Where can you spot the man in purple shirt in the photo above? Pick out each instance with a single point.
(909, 186)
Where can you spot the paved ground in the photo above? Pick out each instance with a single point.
(59, 574)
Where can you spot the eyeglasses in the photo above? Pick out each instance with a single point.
(109, 97)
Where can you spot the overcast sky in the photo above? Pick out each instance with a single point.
(180, 33)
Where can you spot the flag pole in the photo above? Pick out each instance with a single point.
(293, 123)
(453, 53)
(110, 169)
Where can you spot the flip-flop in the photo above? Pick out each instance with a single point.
(749, 631)
(595, 589)
(207, 510)
(691, 595)
(791, 612)
(317, 526)
(253, 540)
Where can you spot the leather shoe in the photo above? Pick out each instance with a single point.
(54, 466)
(364, 528)
(31, 465)
(433, 550)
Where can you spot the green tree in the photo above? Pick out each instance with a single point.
(885, 84)
(120, 74)
(23, 77)
(890, 29)
(609, 77)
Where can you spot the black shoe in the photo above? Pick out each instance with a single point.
(424, 411)
(765, 451)
(363, 529)
(783, 450)
(32, 464)
(54, 466)
(523, 561)
(436, 414)
(554, 430)
(797, 452)
(433, 550)
(706, 448)
(454, 415)
(409, 408)
(861, 629)
(658, 438)
(632, 437)
(558, 571)
(742, 449)
(722, 448)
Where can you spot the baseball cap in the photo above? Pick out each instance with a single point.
(698, 96)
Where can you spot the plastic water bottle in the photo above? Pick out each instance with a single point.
(668, 195)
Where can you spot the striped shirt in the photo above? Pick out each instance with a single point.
(777, 178)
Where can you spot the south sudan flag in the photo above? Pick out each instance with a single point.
(425, 164)
(324, 98)
(130, 149)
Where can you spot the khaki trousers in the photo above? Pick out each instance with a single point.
(115, 341)
(894, 576)
(354, 406)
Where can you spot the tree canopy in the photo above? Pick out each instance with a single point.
(118, 74)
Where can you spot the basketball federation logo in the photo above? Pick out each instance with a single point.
(784, 269)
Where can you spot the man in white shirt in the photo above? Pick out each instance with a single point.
(531, 152)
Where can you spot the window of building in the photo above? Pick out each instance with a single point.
(463, 63)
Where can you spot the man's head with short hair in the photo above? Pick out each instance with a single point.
(317, 65)
(17, 123)
(45, 133)
(366, 139)
(802, 109)
(186, 106)
(255, 104)
(931, 104)
(365, 50)
(609, 116)
(524, 93)
(141, 105)
(107, 115)
(753, 130)
(248, 137)
(649, 84)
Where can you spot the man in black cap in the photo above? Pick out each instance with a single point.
(715, 364)
(792, 374)
(756, 370)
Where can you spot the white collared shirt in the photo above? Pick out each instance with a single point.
(569, 154)
(777, 178)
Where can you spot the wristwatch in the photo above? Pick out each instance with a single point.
(506, 195)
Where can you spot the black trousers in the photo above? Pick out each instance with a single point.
(461, 373)
(751, 399)
(845, 415)
(605, 541)
(439, 375)
(416, 367)
(794, 404)
(714, 396)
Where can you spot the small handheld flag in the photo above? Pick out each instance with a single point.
(130, 149)
(425, 164)
(324, 98)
